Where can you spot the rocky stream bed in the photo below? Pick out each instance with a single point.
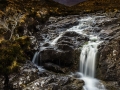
(58, 54)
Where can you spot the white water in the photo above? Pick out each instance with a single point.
(56, 39)
(35, 61)
(88, 58)
(92, 84)
(87, 65)
(35, 58)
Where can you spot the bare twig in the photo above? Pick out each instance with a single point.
(10, 23)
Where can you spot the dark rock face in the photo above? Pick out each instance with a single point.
(109, 51)
(110, 29)
(57, 56)
(109, 68)
(54, 67)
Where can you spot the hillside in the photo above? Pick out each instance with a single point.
(59, 9)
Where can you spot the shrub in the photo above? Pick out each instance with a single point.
(12, 53)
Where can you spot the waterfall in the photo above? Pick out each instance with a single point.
(87, 65)
(35, 58)
(88, 58)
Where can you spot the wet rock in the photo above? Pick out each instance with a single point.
(54, 67)
(57, 82)
(111, 21)
(74, 34)
(110, 29)
(65, 40)
(111, 85)
(77, 75)
(62, 22)
(46, 44)
(27, 73)
(57, 56)
(55, 25)
(109, 60)
(72, 39)
(65, 47)
(71, 34)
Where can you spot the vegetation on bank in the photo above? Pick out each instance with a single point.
(12, 53)
(13, 47)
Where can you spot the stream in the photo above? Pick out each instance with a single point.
(88, 52)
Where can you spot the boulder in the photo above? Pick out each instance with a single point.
(54, 67)
(27, 73)
(64, 58)
(73, 39)
(65, 53)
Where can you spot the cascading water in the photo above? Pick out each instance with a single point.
(35, 60)
(87, 65)
(56, 39)
(88, 59)
(88, 53)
